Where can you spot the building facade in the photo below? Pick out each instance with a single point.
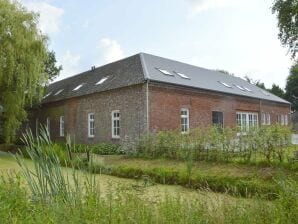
(145, 93)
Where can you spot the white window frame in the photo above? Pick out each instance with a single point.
(61, 126)
(263, 118)
(282, 119)
(114, 128)
(246, 120)
(286, 120)
(268, 119)
(184, 117)
(91, 125)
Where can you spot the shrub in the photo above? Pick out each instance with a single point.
(269, 143)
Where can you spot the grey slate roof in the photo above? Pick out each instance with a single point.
(141, 67)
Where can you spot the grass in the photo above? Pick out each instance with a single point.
(235, 179)
(36, 196)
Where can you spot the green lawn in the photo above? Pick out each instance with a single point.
(106, 182)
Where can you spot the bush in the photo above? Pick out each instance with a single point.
(266, 143)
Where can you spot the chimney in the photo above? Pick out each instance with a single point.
(93, 68)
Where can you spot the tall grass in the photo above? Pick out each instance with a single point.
(46, 180)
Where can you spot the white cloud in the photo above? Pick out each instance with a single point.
(50, 16)
(110, 50)
(198, 6)
(71, 65)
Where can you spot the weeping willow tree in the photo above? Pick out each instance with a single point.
(23, 53)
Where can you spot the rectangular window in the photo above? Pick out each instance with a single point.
(91, 126)
(48, 124)
(282, 119)
(246, 120)
(115, 124)
(268, 122)
(61, 126)
(263, 119)
(184, 115)
(286, 120)
(217, 118)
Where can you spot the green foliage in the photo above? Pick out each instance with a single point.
(292, 87)
(50, 66)
(277, 91)
(22, 57)
(56, 197)
(269, 143)
(121, 206)
(287, 15)
(99, 149)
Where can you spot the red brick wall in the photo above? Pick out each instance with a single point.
(166, 102)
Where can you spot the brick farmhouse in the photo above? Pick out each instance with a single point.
(145, 93)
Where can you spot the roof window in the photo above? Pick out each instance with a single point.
(47, 95)
(165, 72)
(240, 87)
(78, 87)
(247, 89)
(102, 80)
(58, 92)
(225, 84)
(182, 75)
(265, 92)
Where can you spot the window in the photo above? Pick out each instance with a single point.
(249, 90)
(78, 87)
(182, 75)
(102, 81)
(217, 118)
(58, 92)
(286, 120)
(246, 120)
(225, 84)
(91, 126)
(61, 126)
(165, 72)
(268, 122)
(48, 125)
(115, 124)
(240, 87)
(282, 119)
(184, 113)
(265, 92)
(47, 95)
(263, 119)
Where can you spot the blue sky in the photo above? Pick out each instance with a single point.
(239, 36)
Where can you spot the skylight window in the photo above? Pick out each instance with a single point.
(225, 84)
(47, 95)
(165, 72)
(102, 81)
(265, 92)
(240, 87)
(249, 90)
(182, 75)
(58, 92)
(78, 87)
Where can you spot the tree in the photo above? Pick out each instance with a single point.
(50, 66)
(292, 87)
(258, 83)
(276, 90)
(23, 54)
(287, 15)
(224, 72)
